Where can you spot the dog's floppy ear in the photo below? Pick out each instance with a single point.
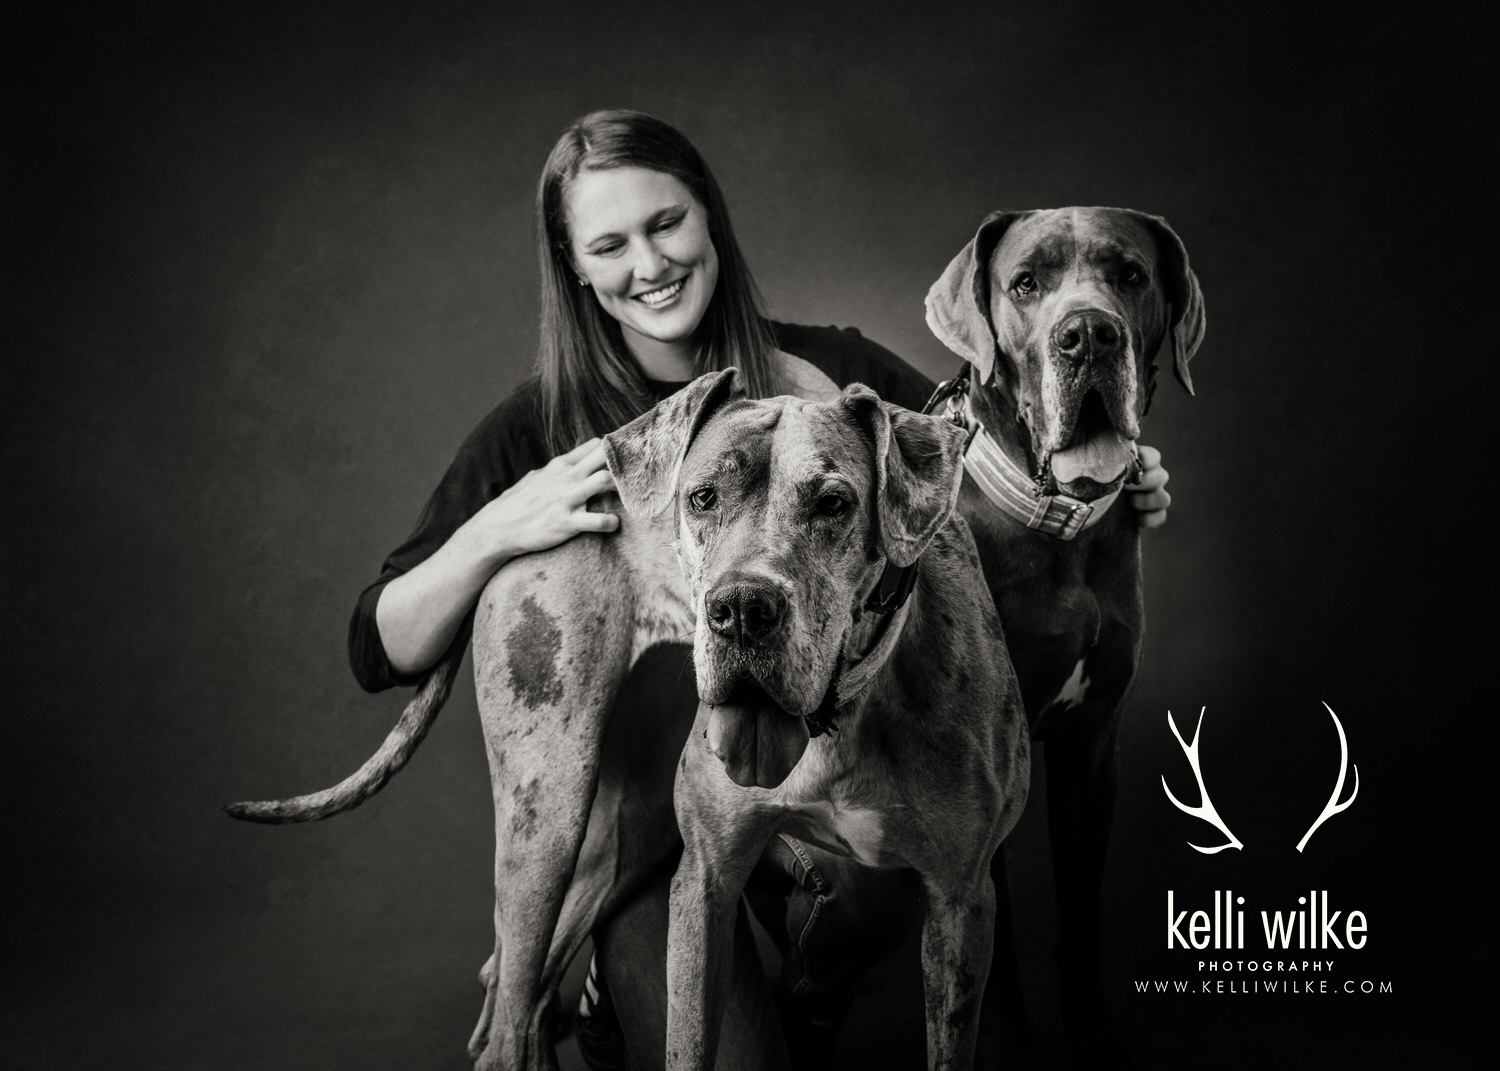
(1184, 294)
(958, 304)
(918, 469)
(645, 455)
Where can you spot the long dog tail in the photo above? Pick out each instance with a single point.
(370, 778)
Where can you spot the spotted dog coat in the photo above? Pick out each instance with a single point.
(788, 511)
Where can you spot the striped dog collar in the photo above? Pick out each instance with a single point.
(1015, 493)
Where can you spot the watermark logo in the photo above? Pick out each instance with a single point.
(1206, 811)
(1248, 950)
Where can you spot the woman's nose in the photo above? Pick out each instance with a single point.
(647, 261)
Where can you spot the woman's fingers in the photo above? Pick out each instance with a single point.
(595, 522)
(1150, 497)
(598, 483)
(590, 460)
(580, 451)
(1153, 475)
(1152, 501)
(1151, 480)
(583, 486)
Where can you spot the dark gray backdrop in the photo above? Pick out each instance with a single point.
(267, 264)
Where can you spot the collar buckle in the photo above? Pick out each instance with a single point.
(1061, 515)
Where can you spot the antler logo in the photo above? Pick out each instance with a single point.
(1206, 811)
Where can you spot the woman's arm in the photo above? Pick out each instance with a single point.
(420, 611)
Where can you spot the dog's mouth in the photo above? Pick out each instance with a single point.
(1096, 457)
(758, 741)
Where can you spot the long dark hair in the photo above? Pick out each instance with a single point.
(590, 384)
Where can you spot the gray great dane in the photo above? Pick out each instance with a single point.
(578, 825)
(1060, 314)
(789, 515)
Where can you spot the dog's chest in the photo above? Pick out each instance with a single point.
(860, 832)
(662, 615)
(1084, 661)
(1071, 615)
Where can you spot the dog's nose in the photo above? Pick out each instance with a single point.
(1087, 335)
(744, 609)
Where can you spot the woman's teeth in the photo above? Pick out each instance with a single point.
(666, 293)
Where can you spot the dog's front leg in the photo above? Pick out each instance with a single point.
(1081, 776)
(957, 940)
(722, 839)
(1004, 1030)
(699, 942)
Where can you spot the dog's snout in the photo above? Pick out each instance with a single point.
(1087, 335)
(744, 609)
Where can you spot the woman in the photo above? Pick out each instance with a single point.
(643, 288)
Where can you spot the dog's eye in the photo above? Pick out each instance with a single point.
(830, 505)
(705, 498)
(1132, 276)
(1025, 283)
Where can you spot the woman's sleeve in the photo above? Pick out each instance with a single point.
(506, 445)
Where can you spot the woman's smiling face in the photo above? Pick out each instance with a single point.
(640, 239)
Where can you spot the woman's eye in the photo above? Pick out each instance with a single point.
(1025, 283)
(831, 505)
(705, 498)
(668, 225)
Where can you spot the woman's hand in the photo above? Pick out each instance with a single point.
(545, 507)
(1150, 497)
(420, 612)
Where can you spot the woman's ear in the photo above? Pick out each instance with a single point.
(570, 263)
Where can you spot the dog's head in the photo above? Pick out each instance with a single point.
(786, 513)
(1062, 311)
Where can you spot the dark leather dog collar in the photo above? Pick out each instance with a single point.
(855, 674)
(893, 588)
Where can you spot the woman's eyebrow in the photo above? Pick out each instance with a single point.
(651, 220)
(595, 239)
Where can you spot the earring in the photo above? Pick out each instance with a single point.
(582, 281)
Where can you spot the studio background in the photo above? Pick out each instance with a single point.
(266, 265)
